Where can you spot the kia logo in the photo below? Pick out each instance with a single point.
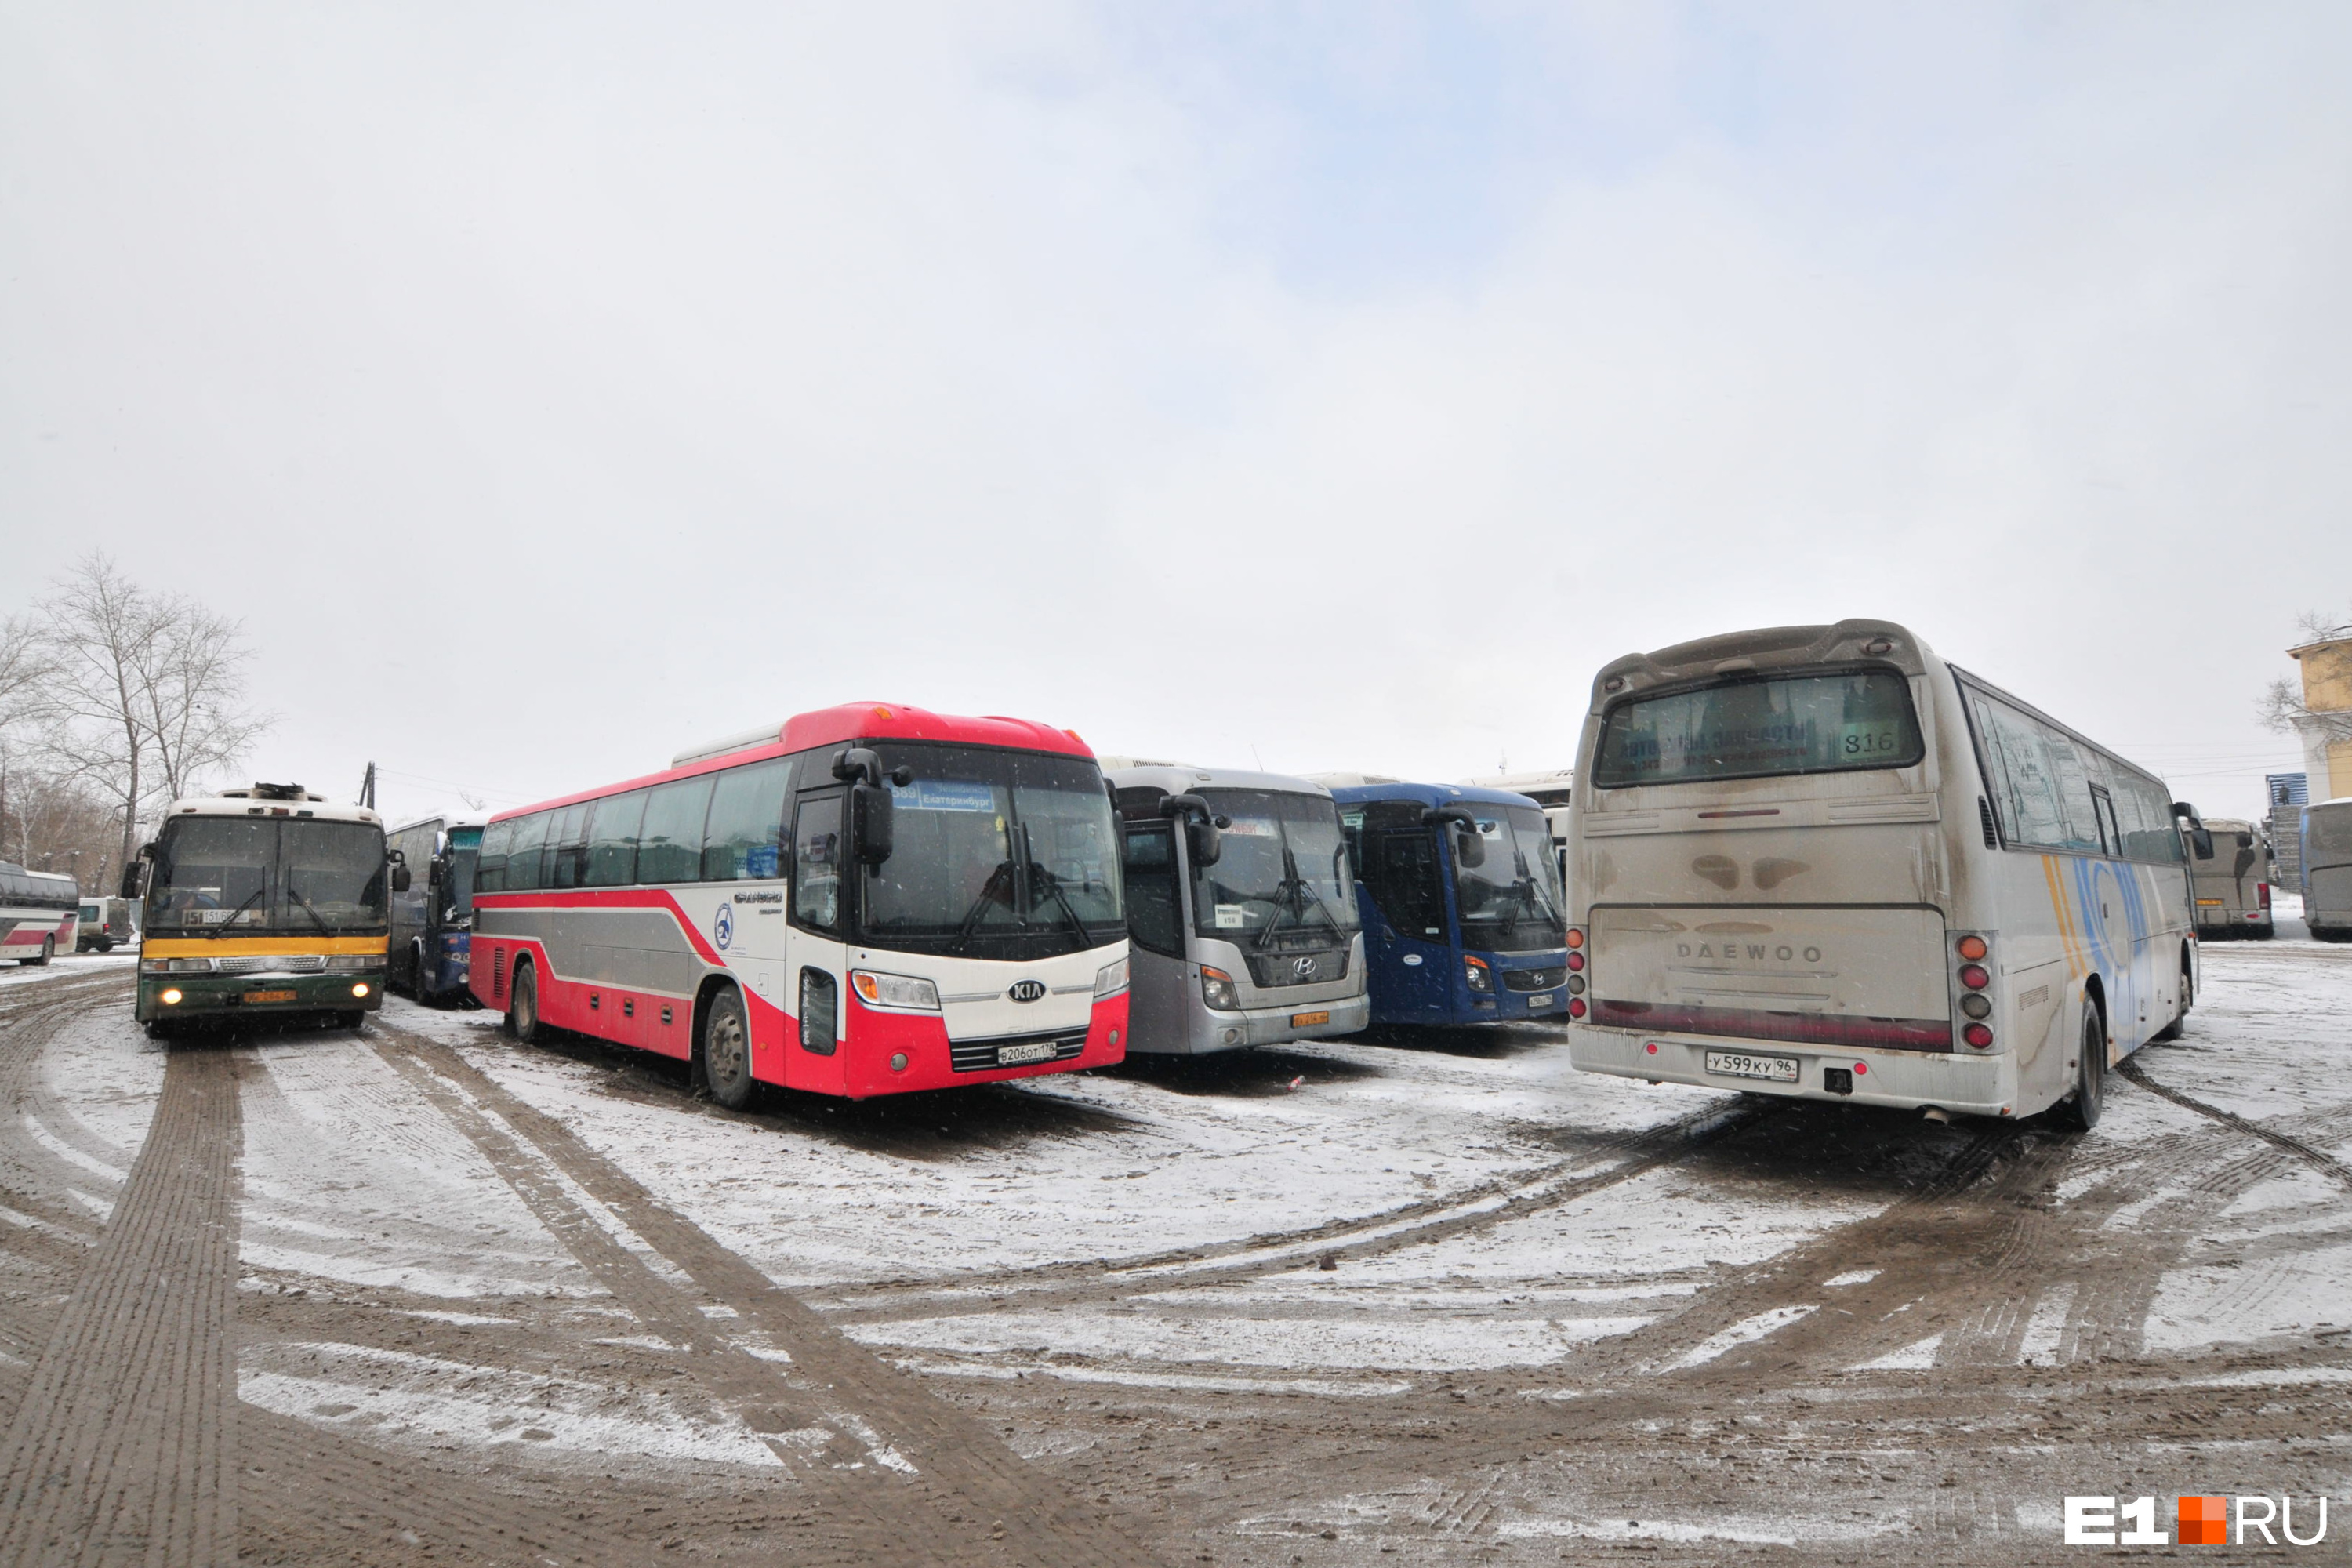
(1026, 990)
(1303, 968)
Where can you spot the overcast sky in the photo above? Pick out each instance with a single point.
(551, 387)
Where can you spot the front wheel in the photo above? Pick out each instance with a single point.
(522, 1006)
(417, 986)
(2090, 1098)
(2188, 999)
(727, 1051)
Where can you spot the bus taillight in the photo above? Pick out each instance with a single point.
(1972, 947)
(1575, 937)
(1974, 977)
(1978, 1037)
(1576, 1006)
(2263, 892)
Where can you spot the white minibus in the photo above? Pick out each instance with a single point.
(2327, 869)
(1819, 861)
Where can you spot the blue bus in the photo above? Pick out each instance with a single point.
(432, 920)
(1459, 890)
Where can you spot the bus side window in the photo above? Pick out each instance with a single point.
(612, 841)
(526, 852)
(816, 862)
(669, 848)
(746, 827)
(490, 861)
(1155, 916)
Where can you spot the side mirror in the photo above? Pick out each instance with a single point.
(131, 881)
(1468, 846)
(874, 810)
(401, 880)
(2203, 838)
(1203, 828)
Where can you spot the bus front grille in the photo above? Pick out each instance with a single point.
(275, 964)
(983, 1056)
(1534, 979)
(1271, 969)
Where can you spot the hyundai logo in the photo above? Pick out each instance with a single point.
(1026, 990)
(1303, 968)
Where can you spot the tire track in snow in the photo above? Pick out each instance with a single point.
(121, 1448)
(960, 1467)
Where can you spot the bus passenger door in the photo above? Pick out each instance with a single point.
(1160, 984)
(1409, 956)
(2119, 904)
(816, 983)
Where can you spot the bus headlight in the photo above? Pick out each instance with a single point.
(901, 991)
(355, 965)
(1217, 991)
(175, 965)
(1110, 978)
(171, 997)
(1476, 975)
(361, 989)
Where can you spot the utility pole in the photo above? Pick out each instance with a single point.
(367, 788)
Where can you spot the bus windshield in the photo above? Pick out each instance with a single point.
(995, 854)
(457, 884)
(1510, 901)
(1282, 880)
(1823, 722)
(2328, 836)
(238, 874)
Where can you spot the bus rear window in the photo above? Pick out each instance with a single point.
(1832, 721)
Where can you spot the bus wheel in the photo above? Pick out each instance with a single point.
(2090, 1082)
(351, 1020)
(727, 1051)
(417, 974)
(49, 949)
(522, 1006)
(2188, 999)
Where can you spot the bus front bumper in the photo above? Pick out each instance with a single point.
(1910, 1080)
(212, 995)
(1213, 1031)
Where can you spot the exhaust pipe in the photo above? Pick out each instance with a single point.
(1936, 1113)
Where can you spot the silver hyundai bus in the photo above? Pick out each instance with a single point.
(1241, 911)
(2230, 877)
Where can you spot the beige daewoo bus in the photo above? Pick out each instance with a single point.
(1820, 861)
(2229, 873)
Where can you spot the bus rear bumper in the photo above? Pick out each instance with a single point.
(1911, 1080)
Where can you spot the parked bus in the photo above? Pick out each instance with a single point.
(1460, 892)
(262, 901)
(1241, 911)
(104, 922)
(2327, 869)
(863, 900)
(2230, 871)
(40, 914)
(1820, 861)
(433, 922)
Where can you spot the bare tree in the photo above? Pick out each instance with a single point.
(143, 693)
(2281, 706)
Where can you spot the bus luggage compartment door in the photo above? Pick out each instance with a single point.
(1743, 971)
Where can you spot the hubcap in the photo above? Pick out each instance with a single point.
(726, 1051)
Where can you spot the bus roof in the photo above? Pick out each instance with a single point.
(835, 726)
(1762, 650)
(889, 721)
(15, 870)
(448, 819)
(1556, 786)
(271, 800)
(1177, 778)
(1432, 795)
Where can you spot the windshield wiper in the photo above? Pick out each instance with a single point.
(1292, 891)
(223, 927)
(998, 880)
(316, 918)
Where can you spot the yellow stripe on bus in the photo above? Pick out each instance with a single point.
(2067, 935)
(228, 946)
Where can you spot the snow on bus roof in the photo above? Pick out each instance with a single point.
(835, 726)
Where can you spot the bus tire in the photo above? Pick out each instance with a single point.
(2188, 999)
(417, 974)
(522, 1006)
(2089, 1101)
(351, 1020)
(726, 1051)
(48, 950)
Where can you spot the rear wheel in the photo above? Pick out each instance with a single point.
(727, 1051)
(417, 986)
(2188, 999)
(522, 1006)
(48, 950)
(2090, 1098)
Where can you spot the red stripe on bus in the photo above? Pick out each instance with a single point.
(602, 899)
(1798, 1028)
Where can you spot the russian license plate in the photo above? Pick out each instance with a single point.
(1739, 1063)
(1021, 1056)
(270, 996)
(1540, 1001)
(1302, 1020)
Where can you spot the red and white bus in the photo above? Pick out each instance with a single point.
(40, 914)
(867, 899)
